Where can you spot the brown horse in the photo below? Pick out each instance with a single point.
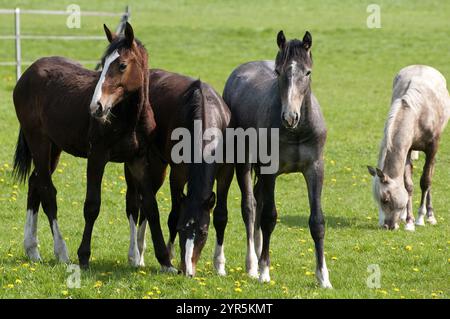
(178, 103)
(102, 116)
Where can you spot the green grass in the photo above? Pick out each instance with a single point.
(353, 72)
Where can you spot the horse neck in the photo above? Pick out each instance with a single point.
(397, 143)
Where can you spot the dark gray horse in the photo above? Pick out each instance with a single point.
(268, 94)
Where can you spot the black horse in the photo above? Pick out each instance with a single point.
(278, 95)
(181, 105)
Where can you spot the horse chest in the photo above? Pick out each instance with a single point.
(293, 157)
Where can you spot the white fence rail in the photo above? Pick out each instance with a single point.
(18, 37)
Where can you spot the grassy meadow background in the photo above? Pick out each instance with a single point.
(352, 78)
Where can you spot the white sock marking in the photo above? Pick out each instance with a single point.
(219, 260)
(323, 276)
(133, 252)
(30, 241)
(60, 248)
(264, 275)
(251, 261)
(141, 243)
(188, 257)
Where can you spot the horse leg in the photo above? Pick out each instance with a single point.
(45, 157)
(158, 173)
(220, 213)
(30, 241)
(314, 181)
(140, 171)
(177, 181)
(95, 170)
(268, 222)
(425, 185)
(248, 209)
(259, 206)
(408, 215)
(132, 209)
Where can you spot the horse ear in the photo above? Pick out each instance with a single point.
(383, 177)
(281, 40)
(129, 34)
(372, 171)
(109, 35)
(211, 201)
(307, 41)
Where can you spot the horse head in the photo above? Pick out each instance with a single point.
(293, 66)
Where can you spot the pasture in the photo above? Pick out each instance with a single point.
(352, 79)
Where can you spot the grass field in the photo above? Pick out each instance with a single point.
(353, 72)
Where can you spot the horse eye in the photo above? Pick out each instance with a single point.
(122, 67)
(308, 73)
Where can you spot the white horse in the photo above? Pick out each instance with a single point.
(420, 109)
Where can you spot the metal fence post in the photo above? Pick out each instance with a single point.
(18, 48)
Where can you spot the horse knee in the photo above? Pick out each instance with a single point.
(91, 209)
(268, 220)
(220, 218)
(317, 226)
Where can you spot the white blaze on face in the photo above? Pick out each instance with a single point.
(292, 87)
(98, 89)
(188, 257)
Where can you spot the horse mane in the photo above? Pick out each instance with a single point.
(411, 99)
(294, 50)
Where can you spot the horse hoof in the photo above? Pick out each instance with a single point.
(253, 273)
(420, 221)
(325, 285)
(264, 275)
(62, 255)
(410, 227)
(33, 254)
(169, 270)
(432, 220)
(220, 268)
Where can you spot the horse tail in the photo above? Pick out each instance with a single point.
(22, 159)
(193, 99)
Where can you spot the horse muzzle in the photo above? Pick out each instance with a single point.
(98, 110)
(290, 119)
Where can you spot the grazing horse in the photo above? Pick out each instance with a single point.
(102, 116)
(420, 109)
(179, 102)
(268, 94)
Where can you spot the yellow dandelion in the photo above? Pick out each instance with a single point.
(309, 273)
(65, 292)
(396, 289)
(332, 162)
(302, 241)
(238, 289)
(408, 248)
(10, 286)
(334, 258)
(32, 269)
(310, 250)
(416, 269)
(142, 272)
(219, 288)
(272, 282)
(18, 281)
(150, 293)
(334, 180)
(201, 283)
(98, 284)
(369, 218)
(433, 294)
(10, 255)
(122, 178)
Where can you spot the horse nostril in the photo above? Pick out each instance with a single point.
(385, 226)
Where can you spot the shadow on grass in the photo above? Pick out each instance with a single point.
(330, 221)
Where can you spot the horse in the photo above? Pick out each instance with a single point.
(419, 112)
(179, 102)
(102, 116)
(277, 95)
